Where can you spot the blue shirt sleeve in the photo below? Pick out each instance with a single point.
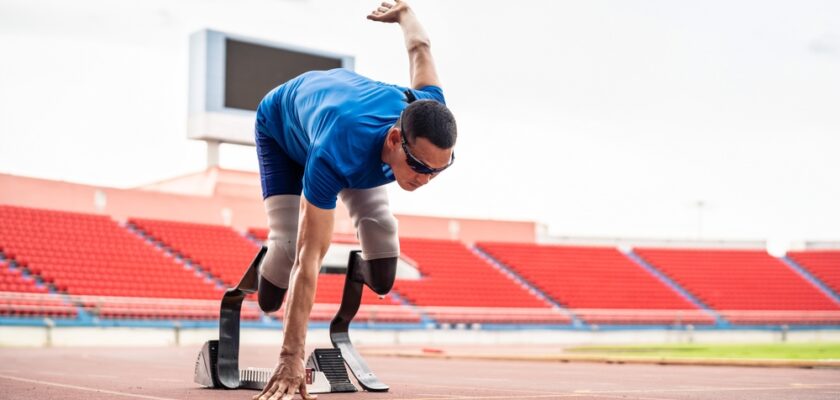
(321, 181)
(429, 93)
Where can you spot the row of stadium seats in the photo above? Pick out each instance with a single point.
(12, 280)
(454, 276)
(90, 255)
(83, 254)
(593, 278)
(824, 264)
(738, 279)
(218, 249)
(27, 304)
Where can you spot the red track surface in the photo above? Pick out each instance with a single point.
(166, 374)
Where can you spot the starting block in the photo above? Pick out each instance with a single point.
(217, 365)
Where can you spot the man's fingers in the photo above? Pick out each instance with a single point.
(266, 389)
(382, 9)
(270, 388)
(281, 390)
(290, 391)
(304, 393)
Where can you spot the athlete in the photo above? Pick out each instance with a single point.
(331, 134)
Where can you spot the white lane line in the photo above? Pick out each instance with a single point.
(711, 389)
(101, 376)
(168, 380)
(635, 397)
(538, 396)
(85, 388)
(474, 388)
(53, 373)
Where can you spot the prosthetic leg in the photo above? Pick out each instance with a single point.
(379, 275)
(217, 365)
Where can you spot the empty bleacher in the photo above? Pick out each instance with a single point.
(12, 280)
(823, 264)
(110, 272)
(91, 255)
(218, 249)
(744, 286)
(599, 284)
(21, 297)
(456, 283)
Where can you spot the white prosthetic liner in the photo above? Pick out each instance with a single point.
(283, 213)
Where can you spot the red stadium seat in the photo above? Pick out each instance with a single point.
(599, 284)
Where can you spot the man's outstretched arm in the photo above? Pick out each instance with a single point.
(421, 63)
(314, 237)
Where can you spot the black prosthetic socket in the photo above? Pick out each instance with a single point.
(270, 296)
(378, 274)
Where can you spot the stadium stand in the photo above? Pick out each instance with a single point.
(27, 304)
(86, 256)
(599, 284)
(823, 264)
(218, 249)
(103, 269)
(12, 280)
(458, 286)
(745, 286)
(21, 297)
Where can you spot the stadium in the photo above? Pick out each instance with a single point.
(506, 287)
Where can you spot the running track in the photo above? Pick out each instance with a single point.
(166, 374)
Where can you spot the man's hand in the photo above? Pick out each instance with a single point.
(290, 375)
(420, 63)
(388, 12)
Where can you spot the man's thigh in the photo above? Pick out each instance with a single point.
(279, 174)
(375, 225)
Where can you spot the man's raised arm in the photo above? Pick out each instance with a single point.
(314, 237)
(421, 63)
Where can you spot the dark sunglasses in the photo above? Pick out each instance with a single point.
(419, 166)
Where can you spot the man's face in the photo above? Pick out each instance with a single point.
(421, 151)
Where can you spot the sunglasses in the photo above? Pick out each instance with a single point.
(419, 166)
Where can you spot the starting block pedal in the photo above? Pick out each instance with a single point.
(331, 363)
(217, 365)
(325, 372)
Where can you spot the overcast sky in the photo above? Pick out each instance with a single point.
(596, 118)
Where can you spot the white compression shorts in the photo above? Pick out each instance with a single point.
(369, 210)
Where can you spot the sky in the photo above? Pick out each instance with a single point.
(659, 119)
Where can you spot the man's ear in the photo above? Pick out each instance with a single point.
(394, 138)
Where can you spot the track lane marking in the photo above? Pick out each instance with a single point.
(534, 396)
(84, 388)
(101, 376)
(474, 388)
(717, 389)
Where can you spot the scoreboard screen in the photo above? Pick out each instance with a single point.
(251, 70)
(230, 74)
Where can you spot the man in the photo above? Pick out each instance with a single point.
(335, 133)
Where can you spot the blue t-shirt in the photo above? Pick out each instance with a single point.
(334, 124)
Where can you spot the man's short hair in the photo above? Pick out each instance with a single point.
(431, 120)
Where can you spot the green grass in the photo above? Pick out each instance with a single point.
(781, 351)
